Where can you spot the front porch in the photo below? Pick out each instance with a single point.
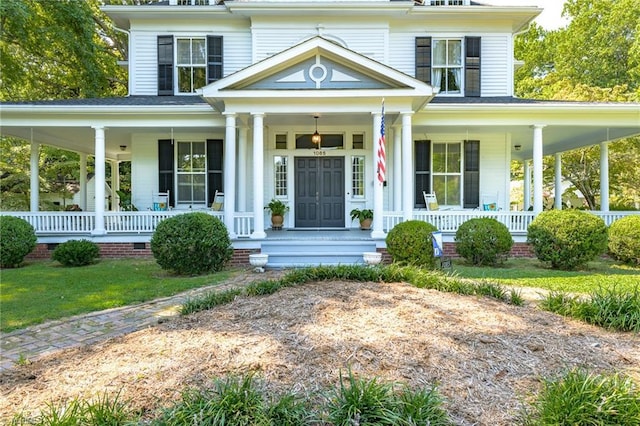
(139, 226)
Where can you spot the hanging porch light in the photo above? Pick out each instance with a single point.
(316, 138)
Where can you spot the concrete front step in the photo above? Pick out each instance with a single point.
(287, 254)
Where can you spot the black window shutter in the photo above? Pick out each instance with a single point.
(165, 169)
(471, 195)
(214, 58)
(472, 67)
(165, 65)
(214, 168)
(423, 171)
(423, 59)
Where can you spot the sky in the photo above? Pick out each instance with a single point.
(549, 19)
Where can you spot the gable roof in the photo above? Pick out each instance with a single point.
(317, 69)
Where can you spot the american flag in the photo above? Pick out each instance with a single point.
(382, 157)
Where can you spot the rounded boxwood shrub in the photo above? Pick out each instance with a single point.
(410, 242)
(567, 238)
(483, 241)
(191, 244)
(624, 239)
(76, 253)
(17, 239)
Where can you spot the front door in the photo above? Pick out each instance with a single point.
(319, 198)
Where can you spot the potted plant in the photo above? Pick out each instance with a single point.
(364, 216)
(277, 209)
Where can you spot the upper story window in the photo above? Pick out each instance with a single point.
(450, 2)
(446, 70)
(191, 63)
(451, 65)
(186, 64)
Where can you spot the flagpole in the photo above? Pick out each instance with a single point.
(379, 164)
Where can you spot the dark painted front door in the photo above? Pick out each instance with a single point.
(319, 198)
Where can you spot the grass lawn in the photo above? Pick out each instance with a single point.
(42, 291)
(532, 273)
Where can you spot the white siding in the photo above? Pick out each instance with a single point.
(402, 51)
(494, 169)
(144, 169)
(144, 57)
(370, 41)
(144, 64)
(496, 66)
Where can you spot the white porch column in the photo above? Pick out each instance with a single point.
(34, 183)
(100, 181)
(557, 204)
(83, 181)
(527, 186)
(604, 176)
(407, 167)
(258, 177)
(537, 168)
(376, 228)
(397, 168)
(230, 174)
(242, 168)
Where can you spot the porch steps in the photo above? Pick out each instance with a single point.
(296, 254)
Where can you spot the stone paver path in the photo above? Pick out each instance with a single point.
(38, 340)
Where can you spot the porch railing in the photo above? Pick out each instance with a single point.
(145, 222)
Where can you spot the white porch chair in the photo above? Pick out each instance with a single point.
(160, 201)
(218, 201)
(431, 201)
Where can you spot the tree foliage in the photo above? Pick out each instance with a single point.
(58, 50)
(595, 58)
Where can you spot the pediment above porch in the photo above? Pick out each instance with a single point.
(317, 70)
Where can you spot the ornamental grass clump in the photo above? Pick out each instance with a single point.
(584, 398)
(567, 239)
(484, 241)
(17, 240)
(191, 244)
(76, 253)
(410, 242)
(624, 240)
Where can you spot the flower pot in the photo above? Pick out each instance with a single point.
(277, 221)
(365, 224)
(372, 257)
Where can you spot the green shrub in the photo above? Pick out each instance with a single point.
(410, 242)
(582, 398)
(624, 239)
(76, 253)
(17, 239)
(567, 238)
(191, 244)
(483, 241)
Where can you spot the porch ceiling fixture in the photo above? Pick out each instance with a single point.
(316, 138)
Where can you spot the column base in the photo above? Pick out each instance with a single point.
(378, 235)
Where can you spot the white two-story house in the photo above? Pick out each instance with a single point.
(264, 99)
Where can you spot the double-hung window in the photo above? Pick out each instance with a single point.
(446, 70)
(186, 64)
(447, 167)
(451, 65)
(191, 60)
(191, 173)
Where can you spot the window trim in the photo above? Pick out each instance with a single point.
(460, 67)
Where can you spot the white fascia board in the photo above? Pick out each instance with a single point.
(124, 15)
(321, 8)
(519, 16)
(579, 113)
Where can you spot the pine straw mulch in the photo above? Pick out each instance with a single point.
(486, 356)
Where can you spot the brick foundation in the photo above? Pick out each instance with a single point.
(240, 256)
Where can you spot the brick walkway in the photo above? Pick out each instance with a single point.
(38, 340)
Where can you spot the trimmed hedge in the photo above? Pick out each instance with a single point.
(191, 244)
(483, 241)
(624, 240)
(17, 239)
(410, 242)
(567, 239)
(76, 253)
